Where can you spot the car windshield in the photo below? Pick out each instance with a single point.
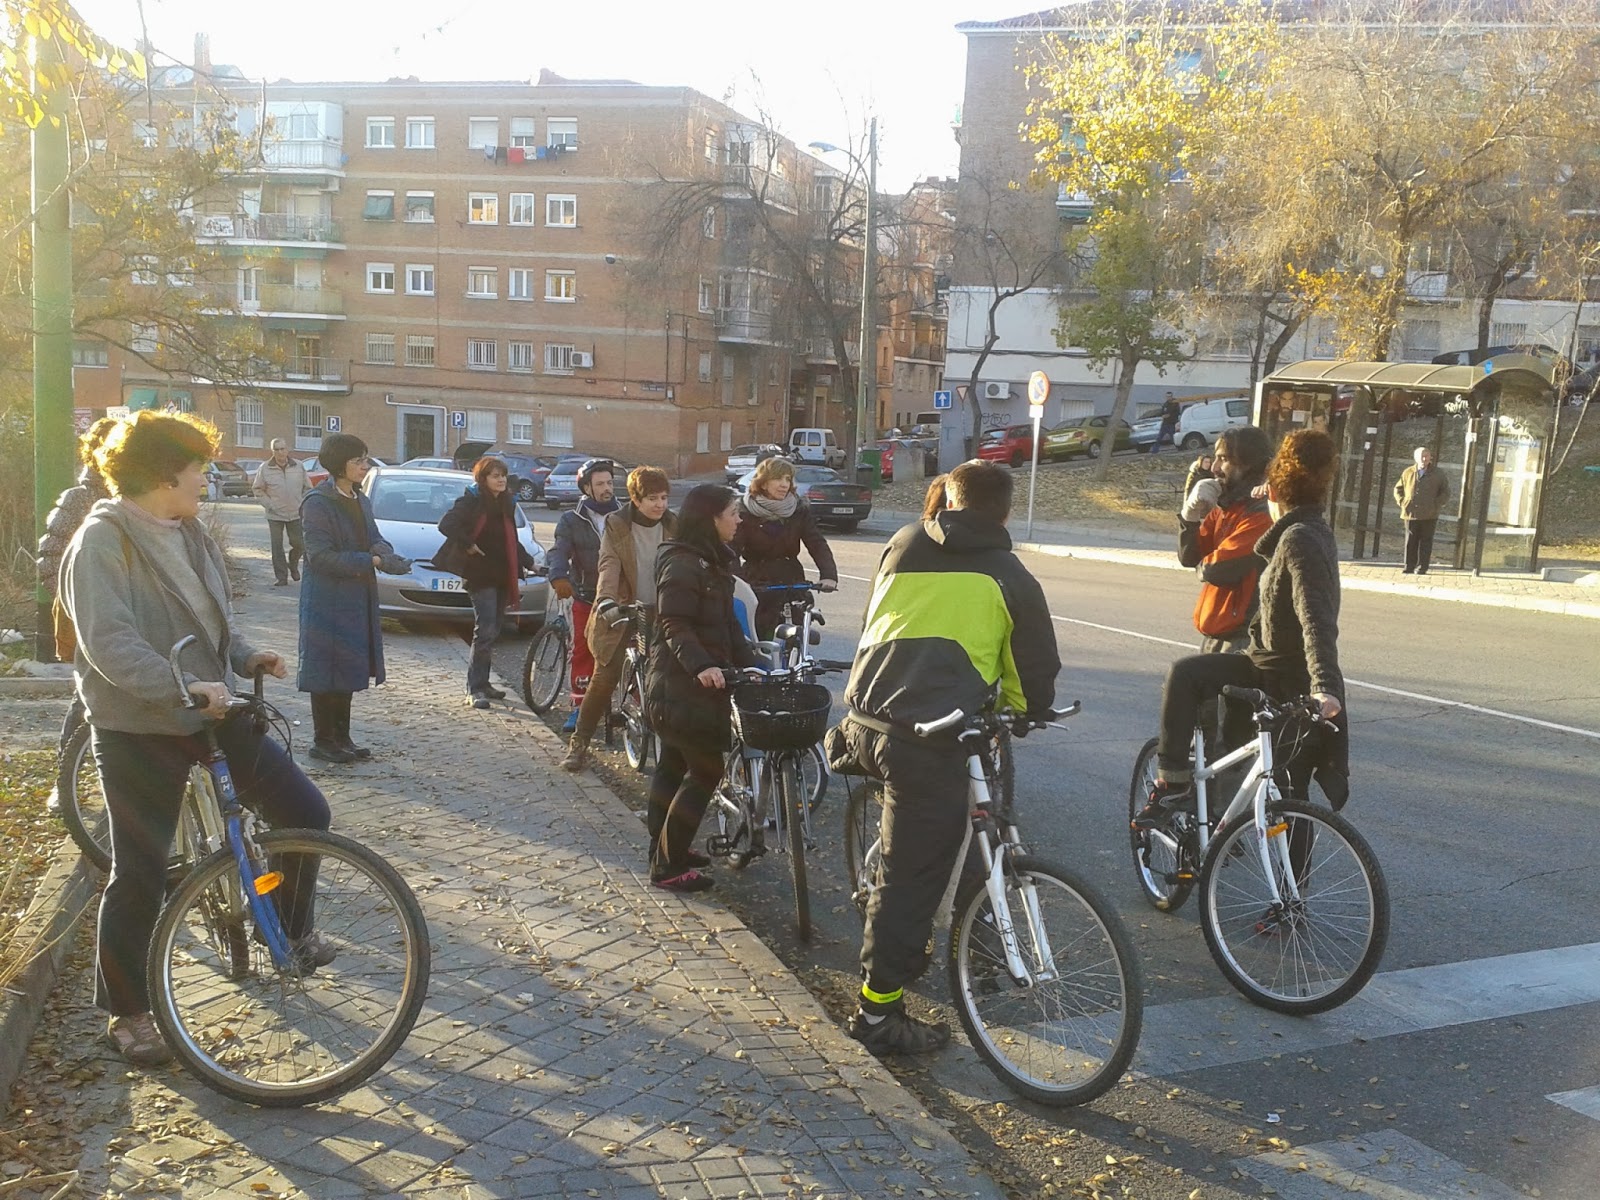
(995, 435)
(417, 500)
(817, 475)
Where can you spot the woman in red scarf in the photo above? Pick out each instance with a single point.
(481, 546)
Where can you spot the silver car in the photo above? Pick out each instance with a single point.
(407, 504)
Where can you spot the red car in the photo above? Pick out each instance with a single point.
(1013, 445)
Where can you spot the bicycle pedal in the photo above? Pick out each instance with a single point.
(1182, 877)
(718, 846)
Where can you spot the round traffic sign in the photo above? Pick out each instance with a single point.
(1038, 387)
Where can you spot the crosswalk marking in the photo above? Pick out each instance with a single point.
(1385, 1166)
(1196, 1034)
(1584, 1100)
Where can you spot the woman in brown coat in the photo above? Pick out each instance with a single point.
(627, 575)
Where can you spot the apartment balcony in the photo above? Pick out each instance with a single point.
(747, 325)
(1073, 206)
(280, 300)
(270, 228)
(302, 373)
(314, 155)
(1428, 285)
(746, 181)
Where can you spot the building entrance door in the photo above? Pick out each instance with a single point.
(419, 434)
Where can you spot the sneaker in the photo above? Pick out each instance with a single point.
(571, 725)
(329, 752)
(478, 700)
(1165, 799)
(577, 756)
(308, 953)
(280, 583)
(492, 692)
(294, 570)
(898, 1033)
(686, 881)
(138, 1040)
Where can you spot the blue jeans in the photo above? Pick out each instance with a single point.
(488, 611)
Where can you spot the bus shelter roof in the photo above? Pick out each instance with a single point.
(1520, 371)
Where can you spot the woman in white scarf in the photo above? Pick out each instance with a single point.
(774, 522)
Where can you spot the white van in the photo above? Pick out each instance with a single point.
(812, 445)
(1203, 420)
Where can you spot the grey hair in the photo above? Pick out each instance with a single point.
(278, 444)
(1417, 454)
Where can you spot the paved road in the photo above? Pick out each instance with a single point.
(1475, 743)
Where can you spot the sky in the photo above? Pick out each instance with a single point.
(820, 68)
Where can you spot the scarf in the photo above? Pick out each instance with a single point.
(769, 509)
(596, 514)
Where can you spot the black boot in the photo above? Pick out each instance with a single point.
(325, 729)
(342, 729)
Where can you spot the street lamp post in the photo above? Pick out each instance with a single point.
(866, 350)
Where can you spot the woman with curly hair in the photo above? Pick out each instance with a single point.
(1294, 636)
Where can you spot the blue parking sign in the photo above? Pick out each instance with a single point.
(335, 424)
(941, 399)
(458, 419)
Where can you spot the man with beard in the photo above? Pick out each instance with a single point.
(1218, 528)
(574, 566)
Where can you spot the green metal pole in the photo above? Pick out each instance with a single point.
(54, 440)
(867, 355)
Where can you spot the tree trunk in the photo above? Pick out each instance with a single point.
(1122, 402)
(1291, 326)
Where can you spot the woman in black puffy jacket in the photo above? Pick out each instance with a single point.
(686, 698)
(774, 522)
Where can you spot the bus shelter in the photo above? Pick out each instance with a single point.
(1489, 425)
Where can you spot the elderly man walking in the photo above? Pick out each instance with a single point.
(282, 484)
(1420, 492)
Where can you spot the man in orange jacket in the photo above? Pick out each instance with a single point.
(1218, 528)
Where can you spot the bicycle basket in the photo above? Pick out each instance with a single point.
(781, 716)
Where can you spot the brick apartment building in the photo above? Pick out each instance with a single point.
(428, 263)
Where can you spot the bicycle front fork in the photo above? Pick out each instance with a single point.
(1042, 969)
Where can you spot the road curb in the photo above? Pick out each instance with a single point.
(28, 688)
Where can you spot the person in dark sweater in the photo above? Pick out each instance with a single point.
(1218, 528)
(774, 522)
(1294, 636)
(481, 545)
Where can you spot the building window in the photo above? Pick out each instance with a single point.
(562, 131)
(561, 210)
(702, 437)
(482, 131)
(379, 207)
(522, 132)
(519, 429)
(483, 208)
(419, 207)
(728, 367)
(483, 354)
(144, 134)
(706, 298)
(708, 223)
(727, 436)
(483, 282)
(705, 366)
(519, 356)
(519, 283)
(560, 285)
(558, 358)
(558, 431)
(419, 279)
(303, 127)
(380, 133)
(144, 339)
(1421, 338)
(307, 426)
(248, 418)
(419, 133)
(1508, 333)
(519, 208)
(380, 278)
(482, 426)
(380, 349)
(144, 271)
(90, 354)
(419, 349)
(752, 393)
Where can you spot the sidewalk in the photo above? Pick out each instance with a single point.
(585, 1035)
(1148, 548)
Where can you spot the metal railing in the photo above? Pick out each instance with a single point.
(302, 369)
(322, 153)
(269, 227)
(278, 298)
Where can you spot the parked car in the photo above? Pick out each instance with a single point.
(1577, 389)
(228, 478)
(315, 473)
(1142, 436)
(834, 500)
(250, 466)
(1084, 435)
(743, 458)
(430, 464)
(1203, 420)
(561, 485)
(1013, 444)
(407, 503)
(905, 459)
(816, 445)
(526, 472)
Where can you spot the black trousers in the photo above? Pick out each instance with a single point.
(1419, 544)
(144, 776)
(680, 790)
(1191, 683)
(281, 565)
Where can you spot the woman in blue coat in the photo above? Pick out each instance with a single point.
(341, 634)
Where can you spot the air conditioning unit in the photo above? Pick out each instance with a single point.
(997, 391)
(332, 184)
(582, 358)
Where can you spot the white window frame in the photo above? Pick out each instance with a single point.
(420, 220)
(707, 296)
(307, 425)
(705, 366)
(702, 437)
(419, 133)
(380, 269)
(521, 208)
(476, 132)
(90, 354)
(564, 137)
(519, 357)
(483, 208)
(561, 287)
(315, 133)
(525, 138)
(144, 338)
(725, 443)
(483, 425)
(519, 429)
(420, 279)
(421, 350)
(708, 223)
(483, 354)
(380, 124)
(558, 432)
(558, 358)
(378, 195)
(556, 204)
(519, 283)
(249, 421)
(483, 283)
(145, 272)
(380, 342)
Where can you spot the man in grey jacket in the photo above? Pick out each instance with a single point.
(282, 484)
(1420, 492)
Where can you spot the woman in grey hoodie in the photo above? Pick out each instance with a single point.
(141, 574)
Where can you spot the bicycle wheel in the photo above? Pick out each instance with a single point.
(813, 768)
(284, 1037)
(790, 801)
(737, 836)
(1067, 1037)
(863, 819)
(1305, 956)
(544, 670)
(636, 736)
(83, 801)
(1159, 855)
(222, 908)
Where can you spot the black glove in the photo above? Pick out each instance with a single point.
(394, 564)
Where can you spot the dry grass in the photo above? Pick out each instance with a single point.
(30, 837)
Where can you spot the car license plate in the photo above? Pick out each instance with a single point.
(843, 508)
(451, 584)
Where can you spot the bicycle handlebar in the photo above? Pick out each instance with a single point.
(960, 716)
(806, 586)
(1267, 706)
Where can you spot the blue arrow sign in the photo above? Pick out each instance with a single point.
(941, 399)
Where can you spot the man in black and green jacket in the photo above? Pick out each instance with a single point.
(955, 621)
